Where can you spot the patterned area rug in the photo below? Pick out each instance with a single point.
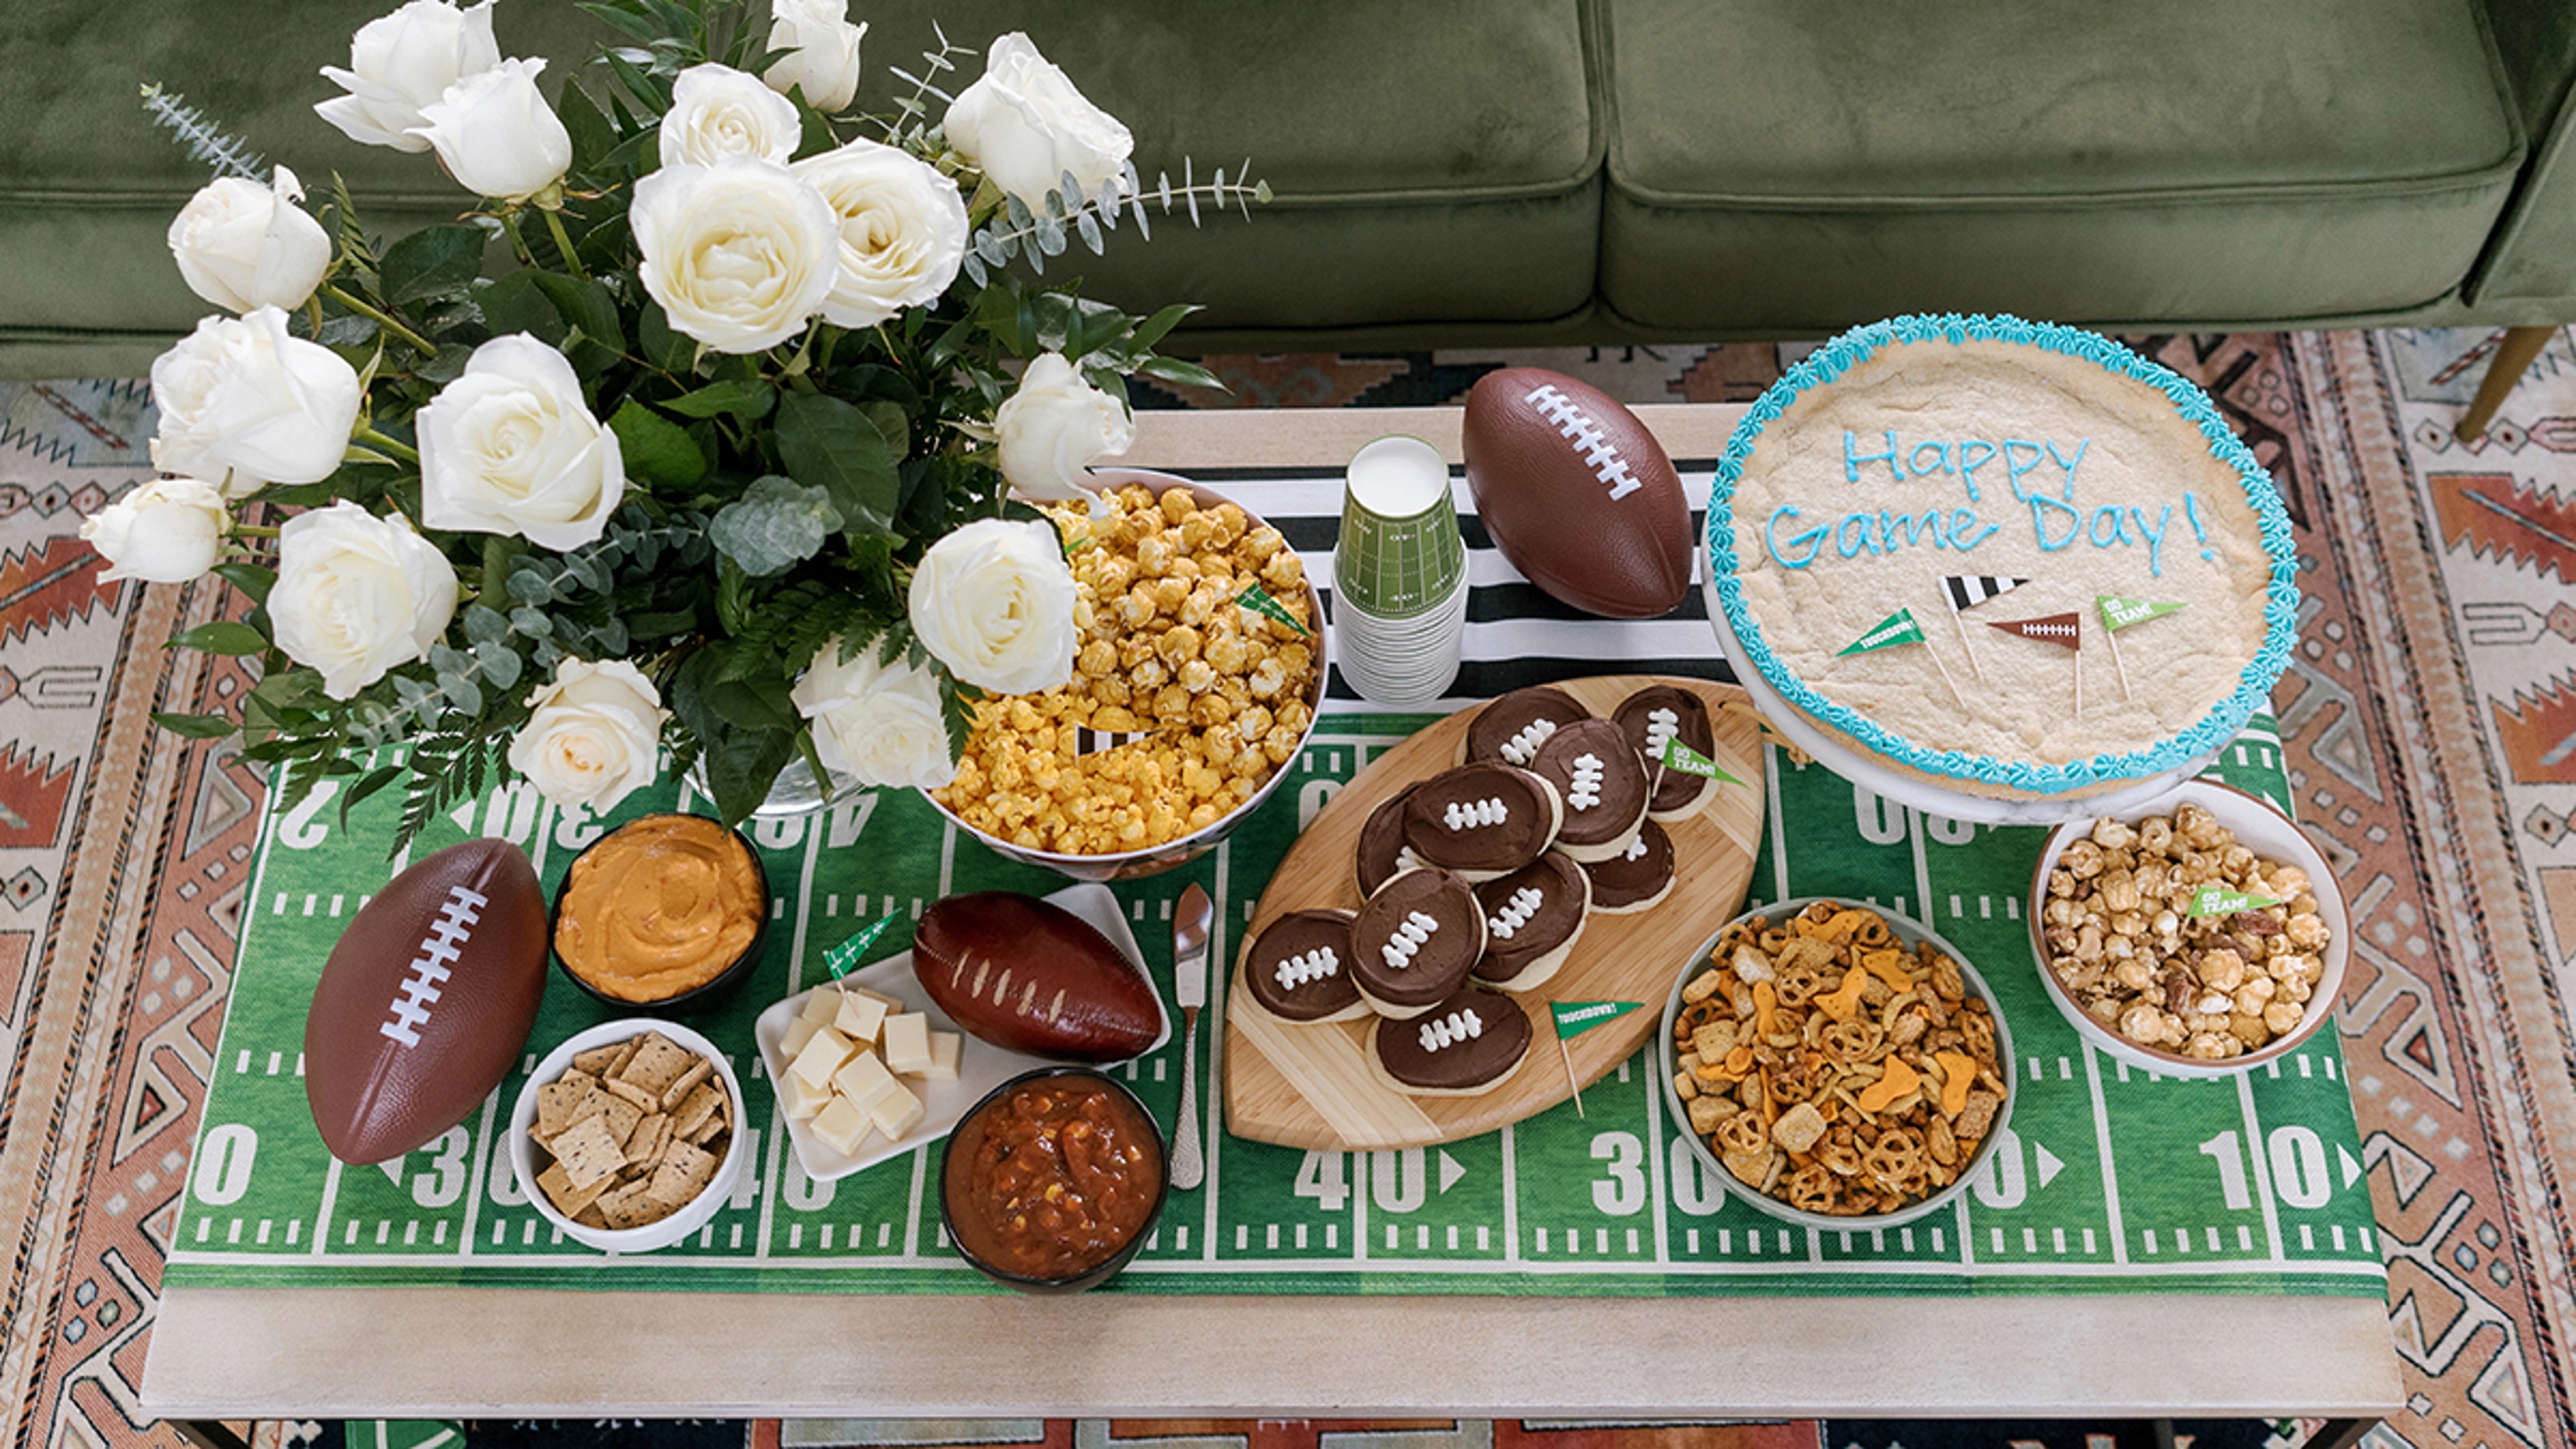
(2431, 718)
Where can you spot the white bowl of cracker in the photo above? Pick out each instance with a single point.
(1191, 693)
(2199, 935)
(1839, 1065)
(627, 1136)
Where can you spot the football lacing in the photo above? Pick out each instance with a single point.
(1661, 725)
(1406, 943)
(1460, 1025)
(1305, 966)
(1516, 912)
(1586, 790)
(1474, 814)
(1522, 747)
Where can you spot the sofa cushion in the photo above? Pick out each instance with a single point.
(1802, 163)
(1433, 162)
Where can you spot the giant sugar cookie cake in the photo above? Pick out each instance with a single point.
(2002, 558)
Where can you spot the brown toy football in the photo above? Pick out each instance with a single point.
(1030, 976)
(1577, 494)
(426, 1002)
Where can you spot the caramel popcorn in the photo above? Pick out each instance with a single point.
(1220, 692)
(2123, 942)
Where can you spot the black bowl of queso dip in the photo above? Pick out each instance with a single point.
(1053, 1181)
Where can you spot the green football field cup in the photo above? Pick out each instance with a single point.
(1400, 555)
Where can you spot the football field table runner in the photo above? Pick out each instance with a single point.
(2112, 1181)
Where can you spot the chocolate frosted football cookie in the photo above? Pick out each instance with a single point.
(1513, 727)
(1654, 717)
(1603, 783)
(1466, 1045)
(1635, 878)
(1415, 941)
(1299, 968)
(1383, 853)
(1482, 820)
(1532, 918)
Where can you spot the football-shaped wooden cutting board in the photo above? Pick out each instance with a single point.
(1310, 1086)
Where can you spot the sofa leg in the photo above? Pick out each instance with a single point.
(2513, 357)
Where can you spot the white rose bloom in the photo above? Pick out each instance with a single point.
(357, 595)
(594, 737)
(717, 111)
(740, 254)
(401, 63)
(1024, 125)
(882, 726)
(994, 602)
(823, 51)
(511, 447)
(243, 246)
(902, 226)
(1055, 427)
(244, 405)
(495, 133)
(168, 531)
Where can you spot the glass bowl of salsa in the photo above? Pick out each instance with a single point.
(1051, 1183)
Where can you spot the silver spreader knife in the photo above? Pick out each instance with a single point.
(1189, 990)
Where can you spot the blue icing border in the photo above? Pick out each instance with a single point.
(1830, 362)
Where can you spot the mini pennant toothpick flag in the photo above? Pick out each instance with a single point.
(1897, 628)
(1966, 591)
(841, 958)
(1679, 756)
(2220, 901)
(1258, 600)
(1574, 1018)
(2119, 613)
(2064, 630)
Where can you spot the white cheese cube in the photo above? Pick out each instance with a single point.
(799, 1101)
(844, 1126)
(859, 1016)
(891, 1003)
(865, 1081)
(821, 1004)
(799, 1032)
(897, 1113)
(822, 1055)
(943, 1057)
(906, 1042)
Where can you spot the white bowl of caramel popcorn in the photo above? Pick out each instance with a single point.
(2200, 935)
(1838, 1065)
(1190, 697)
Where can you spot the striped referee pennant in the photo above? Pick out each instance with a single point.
(1966, 591)
(1089, 741)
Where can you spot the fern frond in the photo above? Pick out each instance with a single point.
(205, 142)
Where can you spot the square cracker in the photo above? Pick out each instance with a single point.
(684, 1173)
(632, 1206)
(627, 1091)
(658, 1062)
(621, 1117)
(591, 1217)
(570, 1199)
(588, 1153)
(600, 1060)
(556, 1101)
(707, 1131)
(699, 1070)
(705, 1102)
(644, 1148)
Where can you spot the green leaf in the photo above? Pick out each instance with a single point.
(1187, 374)
(638, 26)
(741, 757)
(516, 303)
(891, 424)
(586, 305)
(434, 261)
(593, 134)
(224, 636)
(747, 402)
(832, 445)
(376, 780)
(663, 345)
(775, 525)
(251, 579)
(196, 726)
(1152, 329)
(657, 452)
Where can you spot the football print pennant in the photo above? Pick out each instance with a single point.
(1897, 628)
(2064, 630)
(1966, 591)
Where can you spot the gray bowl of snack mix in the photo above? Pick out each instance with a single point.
(982, 799)
(685, 1182)
(1835, 1167)
(2255, 982)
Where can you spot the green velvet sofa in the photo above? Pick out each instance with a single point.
(1479, 172)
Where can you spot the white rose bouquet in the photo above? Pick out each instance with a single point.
(715, 472)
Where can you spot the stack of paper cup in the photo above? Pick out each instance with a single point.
(1399, 575)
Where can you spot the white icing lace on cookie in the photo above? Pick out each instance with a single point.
(1407, 941)
(1307, 966)
(1473, 814)
(1516, 912)
(1636, 848)
(1522, 747)
(1460, 1025)
(1586, 791)
(1661, 725)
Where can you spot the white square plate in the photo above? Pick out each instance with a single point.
(981, 1066)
